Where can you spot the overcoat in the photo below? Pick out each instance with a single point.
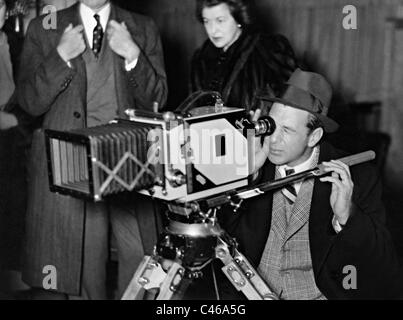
(255, 64)
(49, 89)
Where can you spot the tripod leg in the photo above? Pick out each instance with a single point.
(254, 277)
(149, 274)
(172, 283)
(242, 275)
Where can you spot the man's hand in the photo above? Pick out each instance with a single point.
(342, 189)
(261, 152)
(72, 43)
(121, 42)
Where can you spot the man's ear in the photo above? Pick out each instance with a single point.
(314, 137)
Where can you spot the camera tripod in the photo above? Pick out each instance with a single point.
(193, 239)
(184, 250)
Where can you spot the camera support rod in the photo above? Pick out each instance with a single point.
(262, 188)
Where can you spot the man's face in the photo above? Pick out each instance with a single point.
(289, 144)
(94, 4)
(2, 13)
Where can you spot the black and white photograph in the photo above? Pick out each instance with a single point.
(201, 150)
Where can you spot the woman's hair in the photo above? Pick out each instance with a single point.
(238, 8)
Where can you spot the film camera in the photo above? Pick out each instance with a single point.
(167, 156)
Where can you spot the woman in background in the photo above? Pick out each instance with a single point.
(235, 60)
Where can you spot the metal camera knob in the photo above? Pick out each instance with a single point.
(176, 178)
(169, 116)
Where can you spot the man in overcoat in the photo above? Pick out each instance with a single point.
(99, 61)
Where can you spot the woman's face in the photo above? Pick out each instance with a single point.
(2, 13)
(220, 25)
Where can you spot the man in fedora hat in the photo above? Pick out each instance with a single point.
(318, 238)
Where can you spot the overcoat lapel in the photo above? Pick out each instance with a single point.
(124, 99)
(122, 96)
(321, 233)
(72, 15)
(259, 214)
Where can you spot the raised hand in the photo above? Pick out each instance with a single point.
(72, 43)
(121, 42)
(342, 189)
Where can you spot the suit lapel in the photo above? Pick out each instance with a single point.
(302, 206)
(278, 219)
(301, 209)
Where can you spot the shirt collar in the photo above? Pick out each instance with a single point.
(87, 16)
(306, 165)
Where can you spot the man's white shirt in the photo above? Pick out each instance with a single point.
(89, 24)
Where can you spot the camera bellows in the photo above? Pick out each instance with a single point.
(101, 161)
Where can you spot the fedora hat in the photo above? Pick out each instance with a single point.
(310, 92)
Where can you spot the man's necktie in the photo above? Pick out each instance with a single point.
(98, 35)
(289, 190)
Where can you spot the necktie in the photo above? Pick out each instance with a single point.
(98, 34)
(289, 190)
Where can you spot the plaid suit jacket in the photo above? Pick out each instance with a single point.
(286, 262)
